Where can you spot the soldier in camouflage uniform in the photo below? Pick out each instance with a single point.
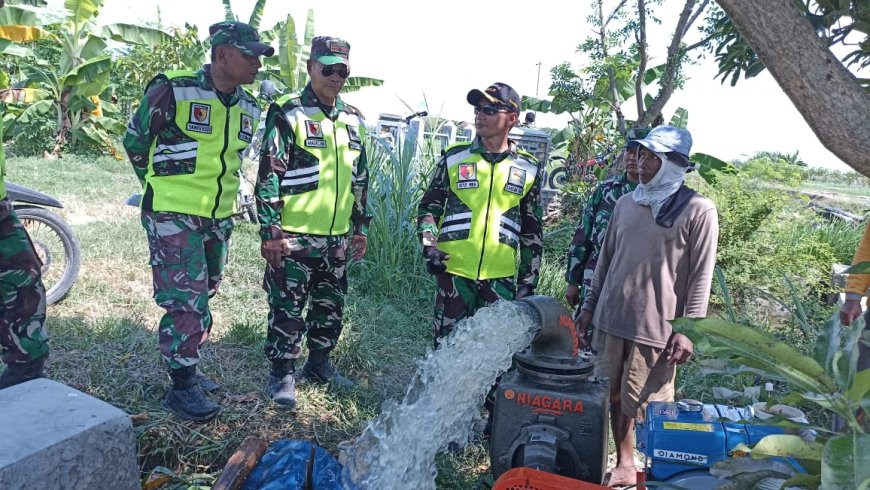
(481, 205)
(23, 338)
(311, 194)
(589, 236)
(185, 143)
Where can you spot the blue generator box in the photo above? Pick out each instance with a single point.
(686, 436)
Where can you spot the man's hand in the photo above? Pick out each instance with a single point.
(584, 319)
(523, 291)
(358, 246)
(275, 250)
(435, 260)
(679, 349)
(572, 294)
(850, 310)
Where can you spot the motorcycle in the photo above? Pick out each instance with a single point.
(55, 242)
(567, 171)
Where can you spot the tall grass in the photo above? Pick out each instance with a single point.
(398, 177)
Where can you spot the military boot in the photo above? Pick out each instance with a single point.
(186, 398)
(319, 370)
(282, 385)
(20, 372)
(205, 382)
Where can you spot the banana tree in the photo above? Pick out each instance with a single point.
(73, 84)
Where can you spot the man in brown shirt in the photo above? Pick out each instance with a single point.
(656, 264)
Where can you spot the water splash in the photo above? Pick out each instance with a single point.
(397, 450)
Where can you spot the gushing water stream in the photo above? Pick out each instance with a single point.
(397, 450)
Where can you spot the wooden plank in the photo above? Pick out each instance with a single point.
(241, 463)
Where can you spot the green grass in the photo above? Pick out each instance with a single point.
(104, 340)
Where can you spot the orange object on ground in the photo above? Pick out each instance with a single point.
(532, 479)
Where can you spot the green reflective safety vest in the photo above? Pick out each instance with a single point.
(196, 171)
(317, 188)
(482, 233)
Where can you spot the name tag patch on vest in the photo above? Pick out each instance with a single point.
(353, 133)
(247, 128)
(200, 118)
(315, 143)
(467, 176)
(353, 145)
(313, 129)
(516, 181)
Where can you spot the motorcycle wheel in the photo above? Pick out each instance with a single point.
(56, 246)
(558, 178)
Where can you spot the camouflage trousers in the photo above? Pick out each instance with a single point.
(319, 282)
(188, 256)
(23, 336)
(458, 298)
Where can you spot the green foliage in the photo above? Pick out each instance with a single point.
(398, 175)
(828, 377)
(131, 72)
(75, 70)
(33, 137)
(774, 168)
(764, 236)
(833, 20)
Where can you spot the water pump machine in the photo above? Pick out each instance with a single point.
(550, 413)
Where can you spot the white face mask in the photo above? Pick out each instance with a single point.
(663, 185)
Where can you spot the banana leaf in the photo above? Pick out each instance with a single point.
(785, 446)
(228, 11)
(133, 34)
(288, 54)
(22, 95)
(22, 34)
(82, 11)
(11, 48)
(708, 166)
(680, 119)
(18, 15)
(35, 110)
(773, 354)
(846, 461)
(257, 14)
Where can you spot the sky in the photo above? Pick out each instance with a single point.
(430, 54)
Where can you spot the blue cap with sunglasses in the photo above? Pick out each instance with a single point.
(498, 93)
(330, 51)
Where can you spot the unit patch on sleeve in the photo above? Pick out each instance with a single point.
(516, 181)
(246, 132)
(200, 118)
(467, 176)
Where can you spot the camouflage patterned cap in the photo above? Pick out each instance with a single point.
(330, 50)
(241, 36)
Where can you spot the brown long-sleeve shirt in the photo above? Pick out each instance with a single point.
(648, 274)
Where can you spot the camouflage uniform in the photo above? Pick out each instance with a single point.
(457, 297)
(23, 336)
(188, 253)
(586, 245)
(314, 272)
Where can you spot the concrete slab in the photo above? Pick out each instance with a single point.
(53, 436)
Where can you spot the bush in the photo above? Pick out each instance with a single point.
(33, 138)
(764, 237)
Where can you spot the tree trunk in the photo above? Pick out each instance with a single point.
(825, 93)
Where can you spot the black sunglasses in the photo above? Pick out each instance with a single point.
(490, 109)
(328, 70)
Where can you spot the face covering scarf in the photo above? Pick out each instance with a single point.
(665, 194)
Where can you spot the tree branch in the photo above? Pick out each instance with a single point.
(826, 94)
(666, 83)
(641, 50)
